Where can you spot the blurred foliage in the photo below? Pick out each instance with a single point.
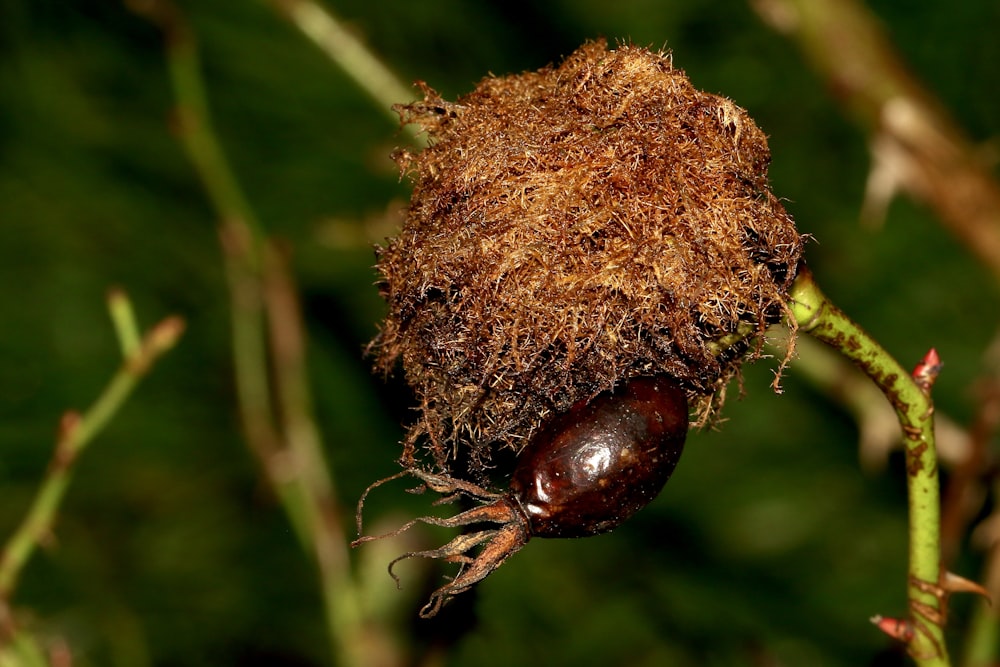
(768, 544)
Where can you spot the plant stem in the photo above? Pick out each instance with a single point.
(123, 319)
(323, 532)
(353, 57)
(817, 315)
(271, 382)
(347, 51)
(76, 431)
(982, 638)
(239, 232)
(22, 651)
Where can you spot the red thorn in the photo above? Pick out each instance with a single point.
(927, 371)
(894, 627)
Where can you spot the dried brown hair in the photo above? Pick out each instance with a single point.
(572, 228)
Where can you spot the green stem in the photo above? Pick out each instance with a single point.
(75, 433)
(982, 637)
(271, 383)
(315, 493)
(123, 319)
(199, 137)
(347, 51)
(817, 315)
(22, 651)
(239, 232)
(352, 55)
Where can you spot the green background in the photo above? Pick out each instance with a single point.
(769, 543)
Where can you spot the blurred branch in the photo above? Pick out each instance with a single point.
(76, 431)
(815, 314)
(303, 459)
(21, 650)
(269, 363)
(349, 53)
(123, 319)
(982, 639)
(968, 484)
(239, 230)
(916, 146)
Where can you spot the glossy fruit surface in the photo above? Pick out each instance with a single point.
(592, 467)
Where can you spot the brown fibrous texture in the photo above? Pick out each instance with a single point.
(569, 229)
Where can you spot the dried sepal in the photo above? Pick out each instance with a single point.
(499, 543)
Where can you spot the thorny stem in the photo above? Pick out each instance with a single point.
(277, 420)
(817, 315)
(76, 431)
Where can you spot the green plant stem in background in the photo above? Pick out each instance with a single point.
(123, 319)
(22, 651)
(277, 418)
(347, 51)
(324, 529)
(982, 637)
(76, 432)
(239, 229)
(817, 315)
(351, 55)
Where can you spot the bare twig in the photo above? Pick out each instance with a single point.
(272, 386)
(350, 53)
(323, 527)
(983, 636)
(916, 146)
(76, 431)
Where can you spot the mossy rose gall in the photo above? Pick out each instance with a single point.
(571, 231)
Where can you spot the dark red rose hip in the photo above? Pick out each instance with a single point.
(584, 473)
(591, 468)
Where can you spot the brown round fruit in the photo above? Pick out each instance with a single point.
(591, 468)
